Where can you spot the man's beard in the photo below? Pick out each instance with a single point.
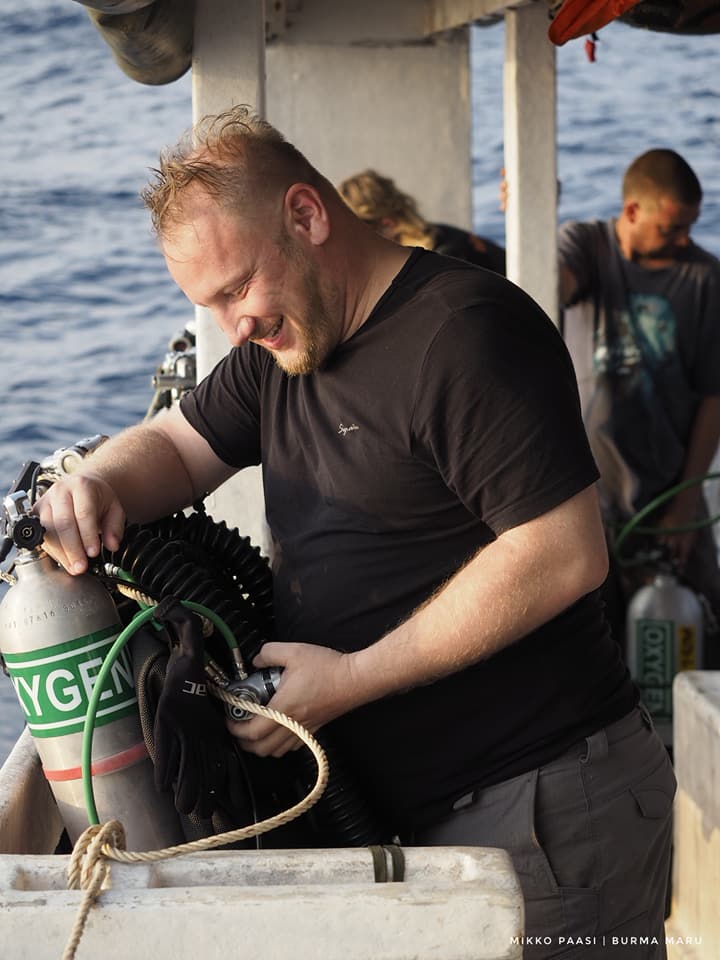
(320, 328)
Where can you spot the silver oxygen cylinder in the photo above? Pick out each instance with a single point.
(55, 631)
(664, 637)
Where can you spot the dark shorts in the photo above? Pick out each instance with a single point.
(590, 836)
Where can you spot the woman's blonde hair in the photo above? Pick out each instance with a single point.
(374, 198)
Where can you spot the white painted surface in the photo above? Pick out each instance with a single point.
(456, 903)
(448, 14)
(695, 919)
(530, 155)
(229, 68)
(29, 818)
(358, 85)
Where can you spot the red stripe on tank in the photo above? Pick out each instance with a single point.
(107, 765)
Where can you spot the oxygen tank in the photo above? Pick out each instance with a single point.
(55, 631)
(664, 637)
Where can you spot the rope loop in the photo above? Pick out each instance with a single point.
(87, 852)
(98, 844)
(87, 871)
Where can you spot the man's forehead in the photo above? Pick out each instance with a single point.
(180, 242)
(200, 226)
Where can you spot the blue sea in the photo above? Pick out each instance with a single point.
(86, 305)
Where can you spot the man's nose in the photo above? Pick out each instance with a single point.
(236, 326)
(223, 320)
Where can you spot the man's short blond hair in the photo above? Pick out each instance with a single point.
(235, 158)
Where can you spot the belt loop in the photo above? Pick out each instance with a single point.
(597, 747)
(646, 715)
(466, 800)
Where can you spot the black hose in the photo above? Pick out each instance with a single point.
(218, 546)
(195, 558)
(341, 807)
(162, 568)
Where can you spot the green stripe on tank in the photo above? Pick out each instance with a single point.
(54, 684)
(67, 648)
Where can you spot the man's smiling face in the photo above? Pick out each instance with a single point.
(259, 283)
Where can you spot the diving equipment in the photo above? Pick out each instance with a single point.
(664, 636)
(55, 630)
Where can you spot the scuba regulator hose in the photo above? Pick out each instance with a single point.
(208, 842)
(633, 525)
(124, 636)
(201, 561)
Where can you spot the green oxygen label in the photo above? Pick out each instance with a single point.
(656, 664)
(54, 684)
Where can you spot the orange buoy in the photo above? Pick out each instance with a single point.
(575, 18)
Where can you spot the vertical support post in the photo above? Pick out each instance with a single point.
(229, 68)
(530, 155)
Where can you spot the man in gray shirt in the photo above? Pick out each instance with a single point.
(643, 326)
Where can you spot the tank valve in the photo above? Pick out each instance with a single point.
(25, 530)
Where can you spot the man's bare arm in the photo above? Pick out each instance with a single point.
(526, 577)
(702, 446)
(567, 284)
(143, 473)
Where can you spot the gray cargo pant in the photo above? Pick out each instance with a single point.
(590, 836)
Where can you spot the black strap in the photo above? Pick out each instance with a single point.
(380, 863)
(398, 862)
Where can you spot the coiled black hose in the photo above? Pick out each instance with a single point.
(170, 568)
(233, 553)
(195, 558)
(341, 807)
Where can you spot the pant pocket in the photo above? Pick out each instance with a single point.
(564, 841)
(635, 824)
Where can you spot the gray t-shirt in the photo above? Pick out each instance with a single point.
(646, 349)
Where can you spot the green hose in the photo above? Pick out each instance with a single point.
(122, 638)
(632, 524)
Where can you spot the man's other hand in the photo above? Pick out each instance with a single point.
(316, 686)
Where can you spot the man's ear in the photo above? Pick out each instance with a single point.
(305, 214)
(631, 209)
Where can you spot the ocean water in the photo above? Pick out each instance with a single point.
(85, 303)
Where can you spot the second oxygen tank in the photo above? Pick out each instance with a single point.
(664, 637)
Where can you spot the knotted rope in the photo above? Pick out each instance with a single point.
(89, 862)
(87, 871)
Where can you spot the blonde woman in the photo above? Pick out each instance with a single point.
(378, 202)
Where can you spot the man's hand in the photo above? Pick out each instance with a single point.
(77, 512)
(316, 686)
(681, 512)
(503, 191)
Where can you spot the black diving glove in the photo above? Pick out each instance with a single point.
(189, 732)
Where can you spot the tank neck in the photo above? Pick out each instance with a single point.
(36, 559)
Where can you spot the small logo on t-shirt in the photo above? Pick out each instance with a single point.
(343, 430)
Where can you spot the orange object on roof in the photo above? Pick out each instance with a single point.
(575, 18)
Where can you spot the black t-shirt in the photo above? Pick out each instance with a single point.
(449, 417)
(454, 242)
